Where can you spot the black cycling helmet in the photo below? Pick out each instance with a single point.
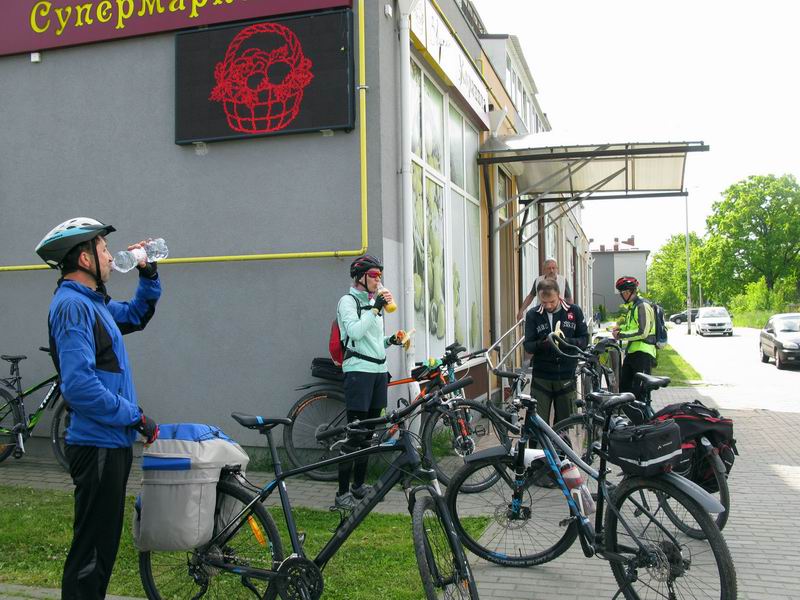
(363, 264)
(55, 246)
(627, 283)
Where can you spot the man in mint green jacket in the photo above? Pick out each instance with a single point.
(366, 377)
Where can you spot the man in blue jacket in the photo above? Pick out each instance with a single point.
(86, 329)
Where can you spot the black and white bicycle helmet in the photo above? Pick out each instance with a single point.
(364, 263)
(55, 246)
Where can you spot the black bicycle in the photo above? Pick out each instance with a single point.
(449, 431)
(245, 556)
(16, 426)
(584, 429)
(533, 522)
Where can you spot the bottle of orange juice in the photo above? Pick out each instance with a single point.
(391, 307)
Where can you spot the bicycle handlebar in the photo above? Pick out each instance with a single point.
(396, 415)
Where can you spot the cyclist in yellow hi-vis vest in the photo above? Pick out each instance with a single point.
(638, 329)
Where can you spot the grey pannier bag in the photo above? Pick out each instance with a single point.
(180, 471)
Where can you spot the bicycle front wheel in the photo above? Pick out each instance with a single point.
(314, 412)
(449, 436)
(58, 432)
(661, 560)
(191, 574)
(10, 416)
(491, 525)
(443, 565)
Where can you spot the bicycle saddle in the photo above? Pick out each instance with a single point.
(651, 382)
(13, 358)
(607, 401)
(256, 422)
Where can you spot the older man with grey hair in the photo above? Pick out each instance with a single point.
(549, 271)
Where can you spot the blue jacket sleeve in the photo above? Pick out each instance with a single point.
(72, 330)
(136, 313)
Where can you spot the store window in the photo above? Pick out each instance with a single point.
(433, 121)
(550, 237)
(447, 228)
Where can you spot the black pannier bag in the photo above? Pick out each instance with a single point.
(647, 449)
(696, 420)
(325, 368)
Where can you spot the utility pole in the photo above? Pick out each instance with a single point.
(688, 271)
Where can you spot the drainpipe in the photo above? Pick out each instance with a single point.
(405, 7)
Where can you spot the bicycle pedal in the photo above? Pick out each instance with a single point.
(18, 453)
(479, 431)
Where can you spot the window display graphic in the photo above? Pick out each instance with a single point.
(284, 75)
(253, 102)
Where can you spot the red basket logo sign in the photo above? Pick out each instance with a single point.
(253, 103)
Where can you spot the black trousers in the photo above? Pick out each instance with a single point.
(635, 362)
(100, 476)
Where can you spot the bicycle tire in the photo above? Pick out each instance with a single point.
(671, 562)
(443, 565)
(446, 451)
(314, 411)
(58, 430)
(170, 575)
(10, 415)
(722, 495)
(544, 534)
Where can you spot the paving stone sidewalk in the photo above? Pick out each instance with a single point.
(763, 532)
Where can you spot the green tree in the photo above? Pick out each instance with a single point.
(757, 224)
(666, 276)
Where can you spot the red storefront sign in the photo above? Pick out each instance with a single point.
(31, 25)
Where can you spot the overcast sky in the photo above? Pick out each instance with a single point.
(725, 73)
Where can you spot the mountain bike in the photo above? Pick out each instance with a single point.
(634, 528)
(16, 426)
(245, 556)
(583, 430)
(449, 431)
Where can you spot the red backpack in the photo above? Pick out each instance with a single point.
(336, 345)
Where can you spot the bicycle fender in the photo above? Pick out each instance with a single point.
(487, 453)
(697, 493)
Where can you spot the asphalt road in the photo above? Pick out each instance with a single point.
(735, 363)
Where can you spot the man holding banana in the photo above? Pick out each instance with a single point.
(553, 382)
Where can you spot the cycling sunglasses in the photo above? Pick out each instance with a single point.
(374, 274)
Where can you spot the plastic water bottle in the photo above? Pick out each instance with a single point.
(577, 486)
(153, 251)
(392, 306)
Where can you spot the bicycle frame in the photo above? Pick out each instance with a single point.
(408, 463)
(13, 383)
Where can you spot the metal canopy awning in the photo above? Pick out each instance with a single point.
(552, 168)
(550, 163)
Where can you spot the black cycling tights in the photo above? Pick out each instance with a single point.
(357, 467)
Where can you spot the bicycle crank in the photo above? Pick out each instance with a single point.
(299, 579)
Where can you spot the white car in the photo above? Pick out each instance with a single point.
(713, 319)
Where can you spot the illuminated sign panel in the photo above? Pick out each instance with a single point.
(30, 25)
(286, 75)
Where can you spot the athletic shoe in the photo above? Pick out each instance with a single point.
(344, 501)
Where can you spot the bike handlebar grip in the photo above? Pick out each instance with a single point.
(456, 385)
(506, 374)
(329, 433)
(44, 349)
(557, 340)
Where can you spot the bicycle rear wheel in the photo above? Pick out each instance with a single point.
(443, 565)
(58, 431)
(671, 563)
(316, 411)
(256, 544)
(10, 416)
(539, 531)
(449, 436)
(712, 466)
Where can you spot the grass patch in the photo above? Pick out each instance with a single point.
(756, 318)
(377, 561)
(672, 365)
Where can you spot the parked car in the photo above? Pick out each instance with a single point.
(681, 317)
(713, 319)
(780, 339)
